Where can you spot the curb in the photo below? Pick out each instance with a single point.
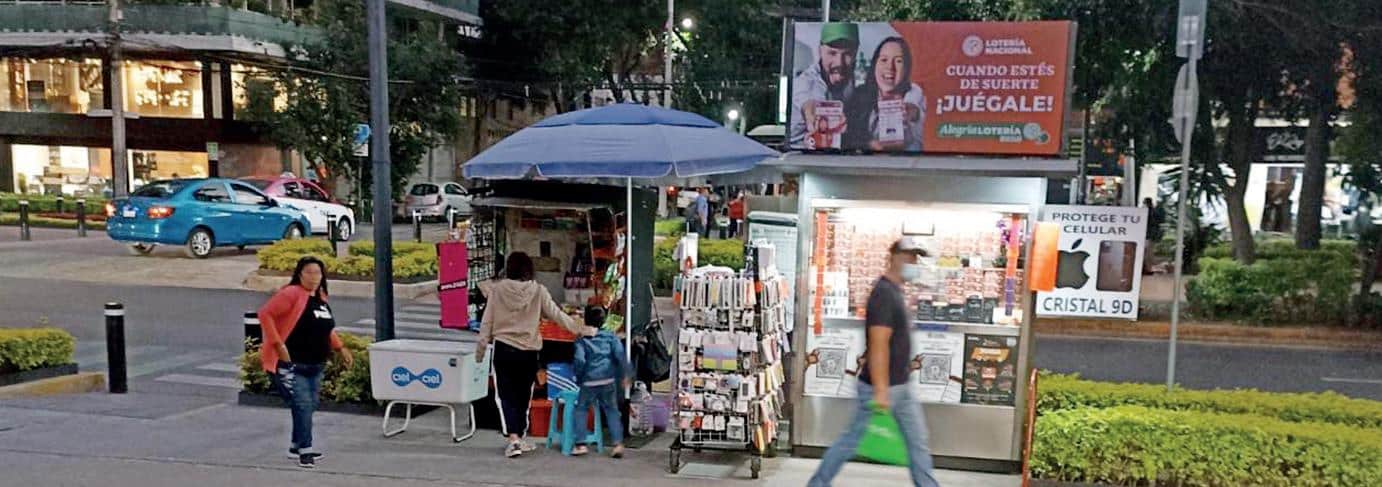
(37, 374)
(78, 383)
(263, 282)
(1323, 337)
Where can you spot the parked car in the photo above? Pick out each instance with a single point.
(305, 195)
(434, 200)
(201, 214)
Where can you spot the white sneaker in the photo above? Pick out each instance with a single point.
(513, 450)
(526, 446)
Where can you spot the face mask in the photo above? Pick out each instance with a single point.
(911, 272)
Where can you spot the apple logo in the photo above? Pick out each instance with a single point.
(1070, 267)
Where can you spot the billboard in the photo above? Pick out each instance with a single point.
(930, 87)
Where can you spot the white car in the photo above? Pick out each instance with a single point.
(436, 200)
(311, 200)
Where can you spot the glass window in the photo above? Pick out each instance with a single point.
(455, 189)
(315, 194)
(160, 189)
(164, 88)
(50, 85)
(292, 189)
(246, 195)
(252, 86)
(212, 193)
(424, 190)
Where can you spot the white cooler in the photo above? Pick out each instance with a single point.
(427, 372)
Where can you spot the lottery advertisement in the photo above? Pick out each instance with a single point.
(930, 87)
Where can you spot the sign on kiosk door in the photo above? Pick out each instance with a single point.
(1099, 263)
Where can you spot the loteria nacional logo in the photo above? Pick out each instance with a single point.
(973, 46)
(402, 377)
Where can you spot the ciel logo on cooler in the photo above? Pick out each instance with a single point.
(402, 377)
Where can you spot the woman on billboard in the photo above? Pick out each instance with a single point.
(885, 114)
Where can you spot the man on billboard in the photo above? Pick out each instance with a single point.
(819, 92)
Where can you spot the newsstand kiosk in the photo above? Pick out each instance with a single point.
(972, 335)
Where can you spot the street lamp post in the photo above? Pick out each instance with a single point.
(379, 156)
(667, 56)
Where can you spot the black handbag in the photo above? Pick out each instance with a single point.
(652, 359)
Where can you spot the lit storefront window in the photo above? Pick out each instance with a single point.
(81, 171)
(50, 85)
(164, 88)
(249, 81)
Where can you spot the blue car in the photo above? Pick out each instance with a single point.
(201, 214)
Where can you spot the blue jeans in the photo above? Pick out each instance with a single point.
(300, 393)
(605, 400)
(910, 420)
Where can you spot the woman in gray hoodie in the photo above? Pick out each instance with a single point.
(516, 306)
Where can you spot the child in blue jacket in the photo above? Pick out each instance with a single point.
(601, 368)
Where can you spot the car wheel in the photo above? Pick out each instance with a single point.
(199, 243)
(344, 230)
(293, 232)
(141, 249)
(240, 248)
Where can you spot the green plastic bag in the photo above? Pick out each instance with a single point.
(882, 441)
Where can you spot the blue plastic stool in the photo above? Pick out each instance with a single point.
(566, 403)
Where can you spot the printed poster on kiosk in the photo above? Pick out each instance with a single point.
(1099, 264)
(930, 87)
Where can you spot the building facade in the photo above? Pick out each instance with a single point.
(184, 76)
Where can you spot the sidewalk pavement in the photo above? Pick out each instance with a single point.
(149, 440)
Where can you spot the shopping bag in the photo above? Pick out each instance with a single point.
(882, 441)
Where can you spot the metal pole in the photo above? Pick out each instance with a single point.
(24, 220)
(825, 10)
(379, 154)
(1189, 132)
(628, 268)
(417, 226)
(119, 164)
(667, 55)
(115, 347)
(331, 228)
(81, 218)
(254, 335)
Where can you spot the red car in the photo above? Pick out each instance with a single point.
(312, 200)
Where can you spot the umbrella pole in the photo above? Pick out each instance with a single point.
(628, 268)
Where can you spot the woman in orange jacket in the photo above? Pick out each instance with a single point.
(299, 337)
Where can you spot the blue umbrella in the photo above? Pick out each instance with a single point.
(619, 141)
(624, 141)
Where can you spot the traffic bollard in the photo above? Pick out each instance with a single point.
(417, 226)
(450, 219)
(331, 233)
(81, 218)
(61, 205)
(115, 348)
(24, 220)
(254, 335)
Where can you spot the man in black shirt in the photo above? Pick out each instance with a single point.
(883, 381)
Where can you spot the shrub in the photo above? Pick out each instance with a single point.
(671, 227)
(724, 253)
(1134, 445)
(410, 260)
(1276, 249)
(34, 348)
(1312, 287)
(338, 383)
(9, 203)
(1059, 392)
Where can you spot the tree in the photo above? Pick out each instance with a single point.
(571, 47)
(325, 93)
(732, 57)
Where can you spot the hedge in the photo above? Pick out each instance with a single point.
(1059, 392)
(724, 253)
(1134, 445)
(672, 227)
(410, 260)
(12, 219)
(1311, 287)
(9, 203)
(1286, 249)
(338, 383)
(24, 349)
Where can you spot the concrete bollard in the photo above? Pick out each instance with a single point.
(115, 348)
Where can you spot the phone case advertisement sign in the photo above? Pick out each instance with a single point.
(933, 87)
(1099, 264)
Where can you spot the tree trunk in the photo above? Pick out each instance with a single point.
(1241, 119)
(1308, 212)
